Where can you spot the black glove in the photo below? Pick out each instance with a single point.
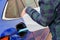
(19, 27)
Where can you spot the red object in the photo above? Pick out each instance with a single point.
(5, 38)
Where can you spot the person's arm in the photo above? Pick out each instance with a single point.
(47, 12)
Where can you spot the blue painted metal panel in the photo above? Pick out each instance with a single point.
(6, 24)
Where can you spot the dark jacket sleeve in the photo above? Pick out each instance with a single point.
(46, 15)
